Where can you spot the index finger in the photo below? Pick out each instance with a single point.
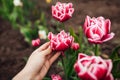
(44, 46)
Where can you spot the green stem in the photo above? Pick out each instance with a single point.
(63, 26)
(96, 49)
(64, 67)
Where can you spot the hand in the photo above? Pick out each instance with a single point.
(38, 64)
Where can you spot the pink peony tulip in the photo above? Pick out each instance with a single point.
(56, 77)
(75, 46)
(36, 42)
(97, 30)
(93, 68)
(62, 11)
(61, 41)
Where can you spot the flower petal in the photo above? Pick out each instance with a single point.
(109, 77)
(87, 76)
(107, 37)
(50, 35)
(109, 65)
(107, 26)
(86, 23)
(94, 41)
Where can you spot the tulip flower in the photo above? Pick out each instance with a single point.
(42, 34)
(61, 41)
(75, 46)
(56, 77)
(62, 11)
(36, 42)
(48, 1)
(97, 30)
(93, 68)
(17, 3)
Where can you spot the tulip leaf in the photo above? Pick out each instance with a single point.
(75, 78)
(115, 53)
(80, 35)
(115, 70)
(70, 60)
(25, 59)
(74, 35)
(29, 33)
(116, 75)
(46, 78)
(43, 19)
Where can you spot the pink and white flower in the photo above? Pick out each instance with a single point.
(61, 41)
(97, 29)
(93, 68)
(56, 77)
(36, 42)
(62, 11)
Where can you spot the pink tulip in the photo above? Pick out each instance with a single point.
(75, 46)
(93, 68)
(56, 77)
(61, 41)
(97, 29)
(36, 42)
(62, 11)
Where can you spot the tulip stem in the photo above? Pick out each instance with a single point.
(64, 68)
(96, 49)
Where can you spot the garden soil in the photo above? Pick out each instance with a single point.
(14, 50)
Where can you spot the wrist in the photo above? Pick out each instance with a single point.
(24, 75)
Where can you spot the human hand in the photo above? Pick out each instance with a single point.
(38, 64)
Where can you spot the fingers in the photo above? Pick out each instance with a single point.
(43, 71)
(47, 65)
(53, 58)
(44, 46)
(47, 51)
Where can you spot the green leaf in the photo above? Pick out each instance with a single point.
(43, 19)
(75, 78)
(13, 16)
(25, 59)
(29, 33)
(60, 64)
(116, 75)
(46, 78)
(115, 70)
(80, 35)
(114, 54)
(26, 33)
(74, 35)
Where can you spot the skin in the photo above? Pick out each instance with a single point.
(38, 64)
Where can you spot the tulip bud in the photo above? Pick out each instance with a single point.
(75, 46)
(42, 34)
(56, 77)
(36, 42)
(17, 3)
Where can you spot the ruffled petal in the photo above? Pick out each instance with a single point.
(107, 37)
(86, 23)
(107, 26)
(109, 66)
(94, 41)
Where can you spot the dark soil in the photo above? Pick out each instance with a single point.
(13, 48)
